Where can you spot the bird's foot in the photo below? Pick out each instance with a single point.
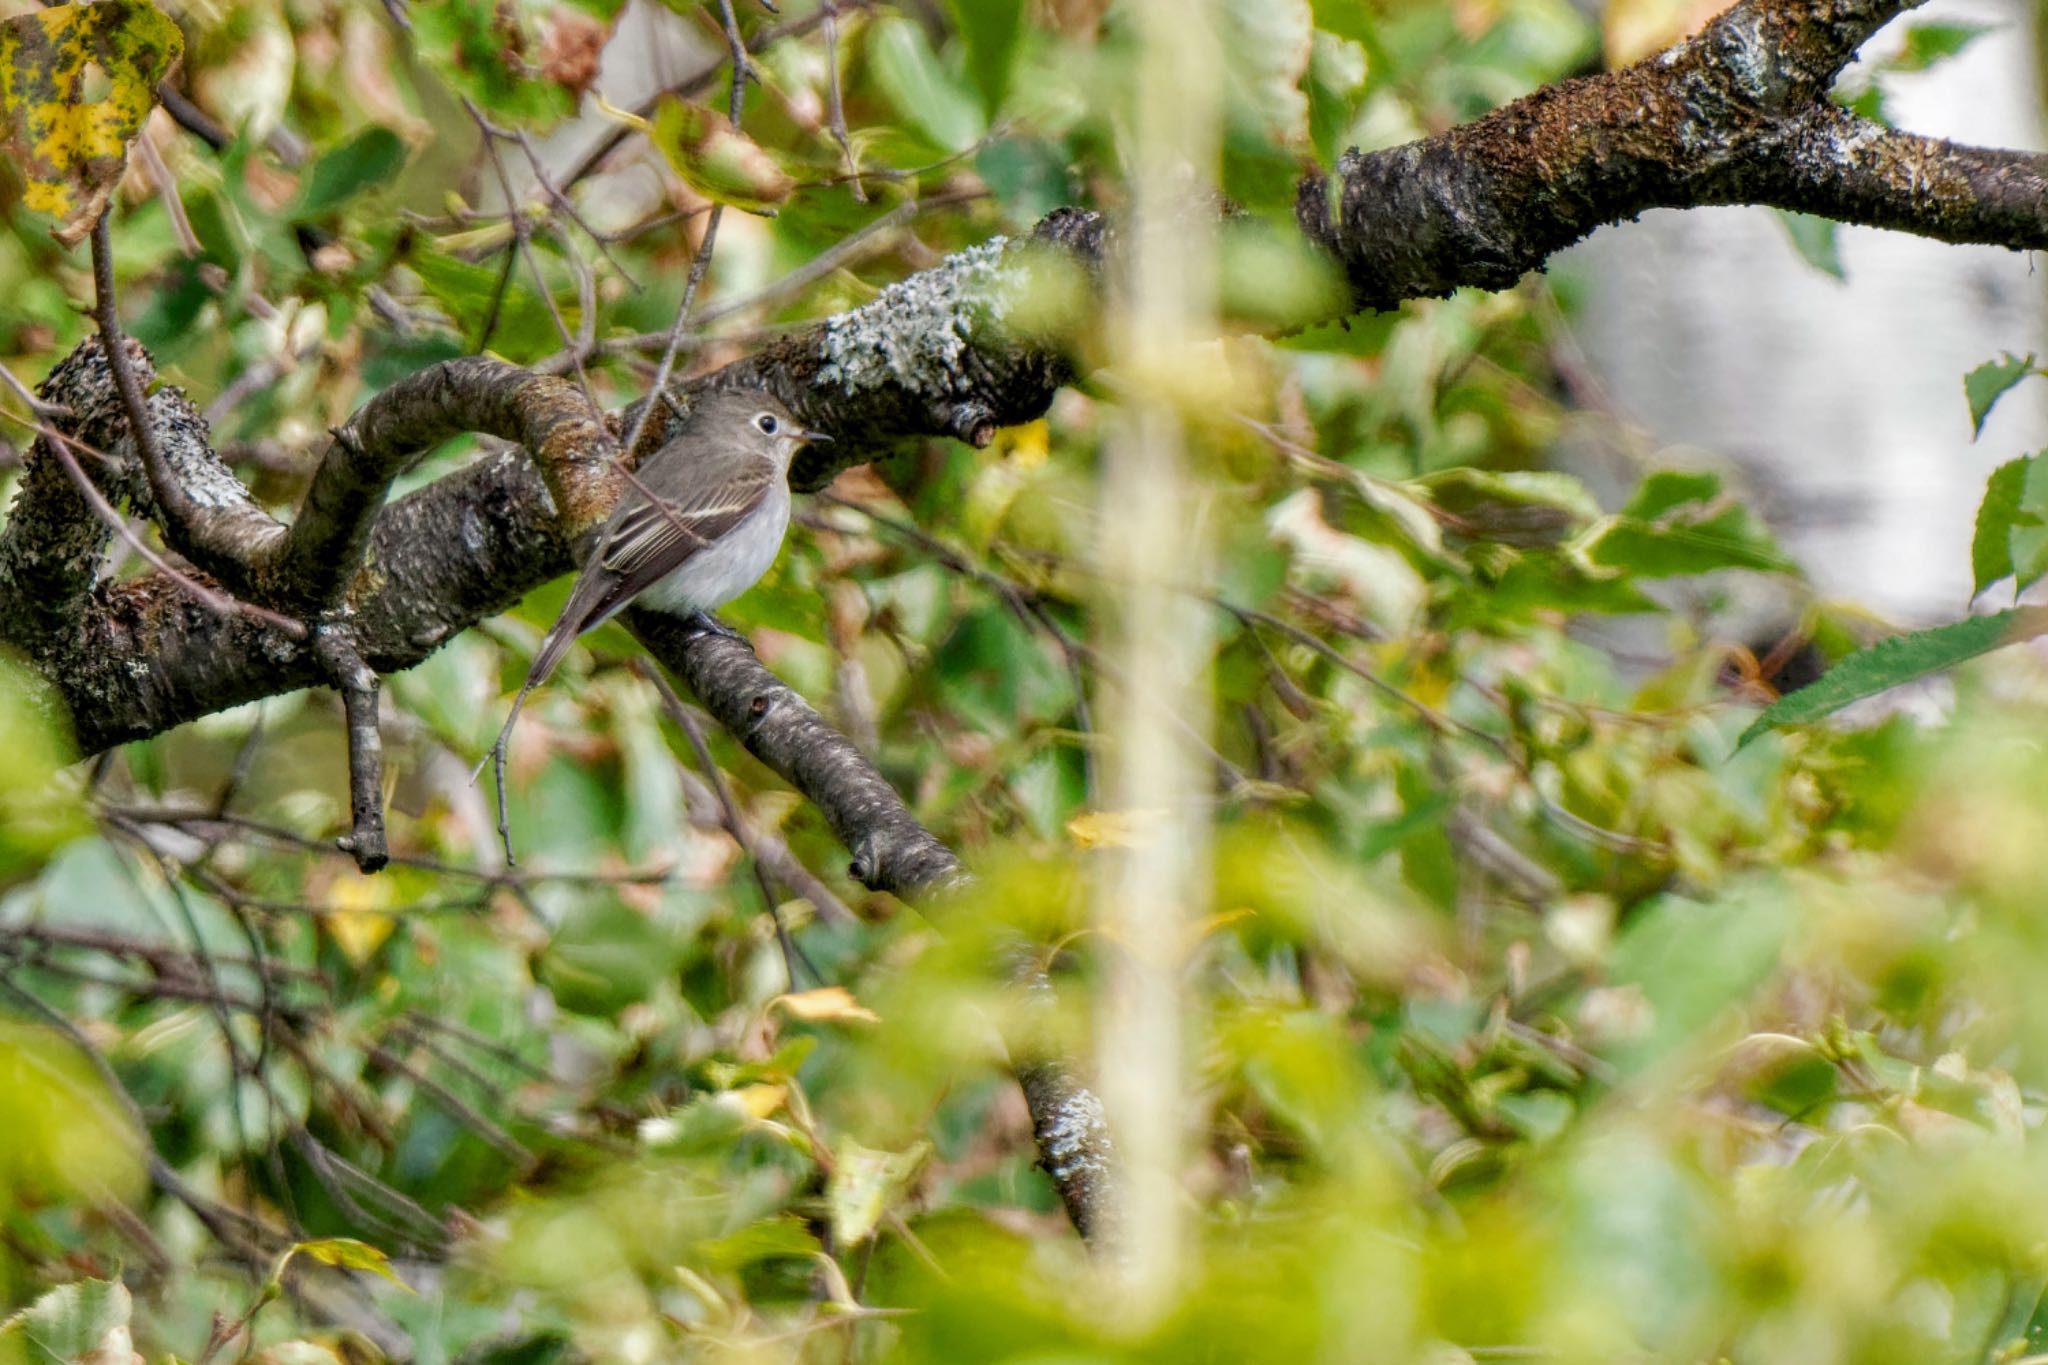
(704, 623)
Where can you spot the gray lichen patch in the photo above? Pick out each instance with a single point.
(916, 332)
(1076, 1139)
(183, 436)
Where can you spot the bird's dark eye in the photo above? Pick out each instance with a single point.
(767, 423)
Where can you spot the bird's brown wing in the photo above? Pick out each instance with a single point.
(647, 541)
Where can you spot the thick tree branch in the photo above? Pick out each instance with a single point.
(1734, 114)
(206, 514)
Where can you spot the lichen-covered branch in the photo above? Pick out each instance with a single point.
(52, 544)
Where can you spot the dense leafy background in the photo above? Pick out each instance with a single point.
(1537, 1018)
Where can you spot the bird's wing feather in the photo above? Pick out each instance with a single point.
(644, 543)
(649, 540)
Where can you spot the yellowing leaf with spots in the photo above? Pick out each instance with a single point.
(71, 150)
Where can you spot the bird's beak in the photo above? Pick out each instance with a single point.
(813, 437)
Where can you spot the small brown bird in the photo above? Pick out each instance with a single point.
(705, 521)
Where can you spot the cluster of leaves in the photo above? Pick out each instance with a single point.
(1538, 1014)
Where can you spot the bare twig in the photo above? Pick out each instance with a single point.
(358, 684)
(737, 50)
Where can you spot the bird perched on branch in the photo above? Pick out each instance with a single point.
(702, 520)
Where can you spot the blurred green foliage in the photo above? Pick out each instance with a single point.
(1537, 1018)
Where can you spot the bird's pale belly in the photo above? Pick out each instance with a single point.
(728, 567)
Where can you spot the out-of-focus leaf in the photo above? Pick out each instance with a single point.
(525, 330)
(1989, 382)
(863, 1181)
(919, 85)
(1266, 49)
(37, 815)
(1998, 516)
(1027, 175)
(1345, 18)
(1691, 961)
(1692, 531)
(826, 1004)
(776, 1238)
(990, 28)
(1900, 659)
(1929, 44)
(1513, 508)
(1337, 70)
(1813, 237)
(345, 1253)
(371, 157)
(606, 958)
(68, 1138)
(70, 150)
(82, 1323)
(716, 159)
(521, 62)
(1273, 281)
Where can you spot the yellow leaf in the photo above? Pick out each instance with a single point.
(1114, 828)
(72, 153)
(354, 919)
(717, 160)
(344, 1253)
(761, 1100)
(826, 1004)
(1027, 446)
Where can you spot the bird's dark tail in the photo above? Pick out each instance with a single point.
(592, 587)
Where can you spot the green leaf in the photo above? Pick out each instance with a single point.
(717, 160)
(1665, 489)
(1900, 659)
(778, 1238)
(525, 331)
(922, 90)
(371, 157)
(1997, 517)
(83, 1321)
(1813, 237)
(990, 28)
(1687, 541)
(1986, 384)
(606, 958)
(1351, 19)
(495, 51)
(1927, 45)
(2028, 538)
(1515, 508)
(863, 1181)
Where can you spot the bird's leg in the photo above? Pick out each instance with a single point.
(704, 623)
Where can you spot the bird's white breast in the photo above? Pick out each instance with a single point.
(727, 567)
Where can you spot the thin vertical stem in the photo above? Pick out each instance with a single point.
(1155, 886)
